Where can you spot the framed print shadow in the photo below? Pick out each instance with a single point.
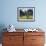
(26, 14)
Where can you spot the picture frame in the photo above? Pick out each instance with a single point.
(26, 14)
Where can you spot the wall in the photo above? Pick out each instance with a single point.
(9, 13)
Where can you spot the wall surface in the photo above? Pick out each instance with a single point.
(8, 13)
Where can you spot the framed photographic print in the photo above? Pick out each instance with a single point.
(26, 14)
